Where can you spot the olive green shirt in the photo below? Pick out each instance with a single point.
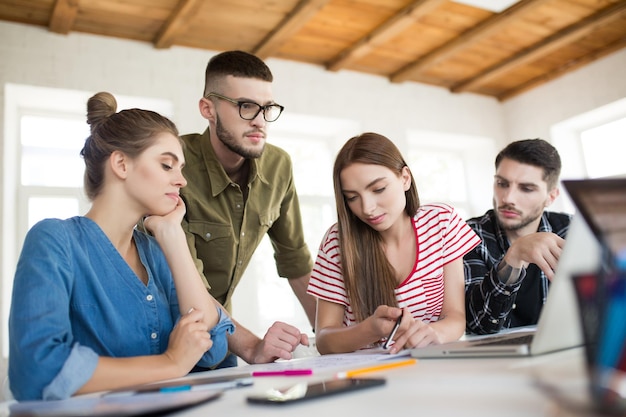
(223, 230)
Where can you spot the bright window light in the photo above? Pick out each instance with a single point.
(604, 148)
(493, 5)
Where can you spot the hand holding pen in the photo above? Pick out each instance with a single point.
(409, 333)
(389, 342)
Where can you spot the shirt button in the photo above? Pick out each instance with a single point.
(243, 234)
(208, 235)
(514, 306)
(238, 206)
(149, 297)
(494, 321)
(507, 293)
(153, 335)
(239, 262)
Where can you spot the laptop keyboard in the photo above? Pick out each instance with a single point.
(505, 340)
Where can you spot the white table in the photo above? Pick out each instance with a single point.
(552, 385)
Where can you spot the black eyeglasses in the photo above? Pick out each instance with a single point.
(248, 110)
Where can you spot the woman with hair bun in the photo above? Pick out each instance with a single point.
(97, 304)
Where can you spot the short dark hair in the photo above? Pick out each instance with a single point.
(235, 63)
(536, 152)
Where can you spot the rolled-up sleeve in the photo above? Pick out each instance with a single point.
(76, 371)
(218, 351)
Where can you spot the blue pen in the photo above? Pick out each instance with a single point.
(176, 389)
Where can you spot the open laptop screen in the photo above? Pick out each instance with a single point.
(602, 295)
(602, 202)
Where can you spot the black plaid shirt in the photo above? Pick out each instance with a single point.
(491, 305)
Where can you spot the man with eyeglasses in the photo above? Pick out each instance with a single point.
(240, 188)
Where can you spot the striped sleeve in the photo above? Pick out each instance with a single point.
(458, 237)
(326, 280)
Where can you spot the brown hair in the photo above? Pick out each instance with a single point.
(129, 131)
(368, 275)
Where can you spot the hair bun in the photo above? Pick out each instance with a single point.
(99, 108)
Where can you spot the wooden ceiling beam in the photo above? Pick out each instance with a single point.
(176, 23)
(63, 16)
(465, 40)
(387, 30)
(570, 66)
(545, 47)
(292, 23)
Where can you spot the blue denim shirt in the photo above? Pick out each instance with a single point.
(75, 299)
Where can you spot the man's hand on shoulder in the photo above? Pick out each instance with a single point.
(541, 248)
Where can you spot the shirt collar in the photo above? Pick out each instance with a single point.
(217, 175)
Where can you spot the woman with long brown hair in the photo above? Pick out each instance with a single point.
(387, 256)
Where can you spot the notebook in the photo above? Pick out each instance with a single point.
(559, 323)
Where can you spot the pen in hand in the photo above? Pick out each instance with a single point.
(389, 340)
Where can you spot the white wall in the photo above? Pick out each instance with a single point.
(33, 56)
(535, 112)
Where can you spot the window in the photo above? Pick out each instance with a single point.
(591, 145)
(446, 167)
(604, 148)
(51, 170)
(440, 176)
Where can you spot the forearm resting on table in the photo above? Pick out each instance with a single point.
(242, 342)
(345, 339)
(450, 327)
(114, 373)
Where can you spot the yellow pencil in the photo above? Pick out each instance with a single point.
(375, 368)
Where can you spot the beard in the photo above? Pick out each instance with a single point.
(229, 140)
(523, 221)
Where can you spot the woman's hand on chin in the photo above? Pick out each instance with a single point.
(157, 224)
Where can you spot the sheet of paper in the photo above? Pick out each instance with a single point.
(329, 362)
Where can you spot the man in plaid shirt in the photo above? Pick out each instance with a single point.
(507, 276)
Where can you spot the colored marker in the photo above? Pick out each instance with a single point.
(286, 372)
(375, 368)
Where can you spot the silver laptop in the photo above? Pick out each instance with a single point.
(559, 323)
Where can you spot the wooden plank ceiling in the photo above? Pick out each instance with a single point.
(438, 42)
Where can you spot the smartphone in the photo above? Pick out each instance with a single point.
(307, 391)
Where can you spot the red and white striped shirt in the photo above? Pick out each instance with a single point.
(441, 236)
